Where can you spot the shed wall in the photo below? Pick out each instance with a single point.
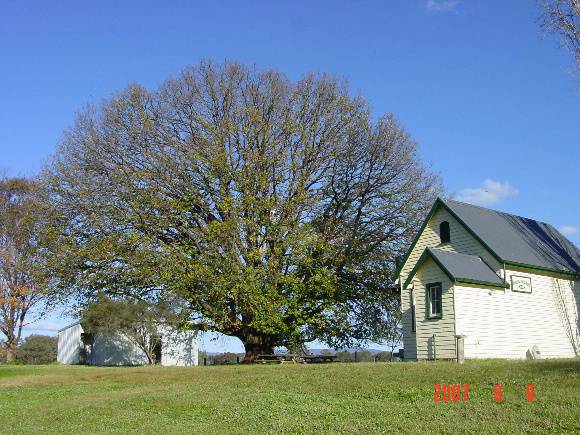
(69, 344)
(115, 350)
(178, 348)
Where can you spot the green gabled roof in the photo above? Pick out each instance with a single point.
(460, 268)
(513, 240)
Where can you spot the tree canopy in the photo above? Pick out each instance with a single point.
(273, 209)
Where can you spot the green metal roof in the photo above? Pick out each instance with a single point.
(513, 240)
(519, 240)
(460, 268)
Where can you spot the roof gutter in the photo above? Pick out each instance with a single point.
(540, 268)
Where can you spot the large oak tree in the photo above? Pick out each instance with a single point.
(273, 209)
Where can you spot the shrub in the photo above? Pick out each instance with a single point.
(37, 349)
(383, 356)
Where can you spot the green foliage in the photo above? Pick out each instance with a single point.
(37, 349)
(344, 356)
(226, 358)
(24, 252)
(274, 210)
(366, 398)
(205, 358)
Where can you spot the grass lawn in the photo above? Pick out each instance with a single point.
(346, 398)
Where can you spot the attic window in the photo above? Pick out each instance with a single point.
(444, 233)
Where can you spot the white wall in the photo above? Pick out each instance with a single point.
(178, 348)
(443, 345)
(115, 350)
(69, 341)
(506, 324)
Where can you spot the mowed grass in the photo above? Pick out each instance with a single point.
(335, 398)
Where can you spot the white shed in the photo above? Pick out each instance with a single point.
(178, 348)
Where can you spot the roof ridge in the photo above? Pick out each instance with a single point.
(454, 253)
(497, 211)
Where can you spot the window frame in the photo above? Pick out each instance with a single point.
(448, 232)
(428, 301)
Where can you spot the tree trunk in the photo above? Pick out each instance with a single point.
(10, 351)
(255, 345)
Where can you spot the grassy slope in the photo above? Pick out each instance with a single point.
(361, 398)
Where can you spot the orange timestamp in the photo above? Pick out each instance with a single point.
(460, 393)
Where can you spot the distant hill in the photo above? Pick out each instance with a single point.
(317, 351)
(350, 349)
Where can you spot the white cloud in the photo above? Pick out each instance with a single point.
(489, 193)
(441, 5)
(569, 230)
(42, 325)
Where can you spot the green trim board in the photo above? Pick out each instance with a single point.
(481, 283)
(454, 279)
(416, 239)
(542, 269)
(413, 311)
(418, 264)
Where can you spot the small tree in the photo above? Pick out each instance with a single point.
(138, 321)
(23, 254)
(37, 349)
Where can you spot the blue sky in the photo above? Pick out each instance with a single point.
(490, 99)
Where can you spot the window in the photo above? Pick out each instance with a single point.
(434, 301)
(413, 325)
(444, 233)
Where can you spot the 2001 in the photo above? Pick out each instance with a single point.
(455, 392)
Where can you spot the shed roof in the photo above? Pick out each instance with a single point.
(519, 240)
(460, 268)
(69, 326)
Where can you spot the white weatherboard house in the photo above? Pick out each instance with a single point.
(178, 348)
(510, 285)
